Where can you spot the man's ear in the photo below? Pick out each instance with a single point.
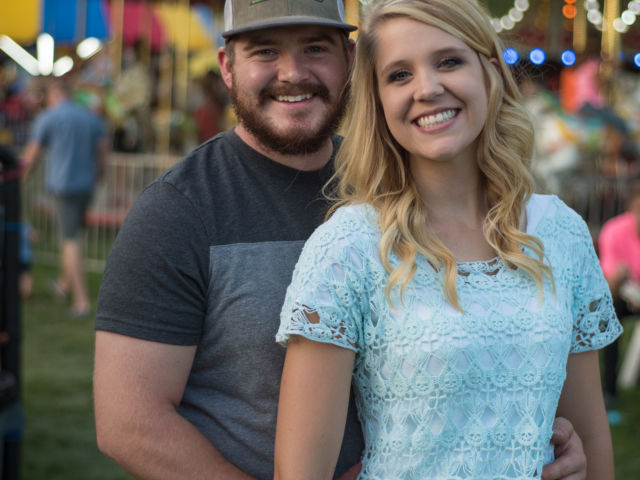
(224, 61)
(351, 52)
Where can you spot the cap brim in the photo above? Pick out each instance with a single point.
(287, 22)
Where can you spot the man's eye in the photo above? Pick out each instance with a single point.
(315, 49)
(265, 52)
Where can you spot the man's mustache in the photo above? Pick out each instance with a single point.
(316, 89)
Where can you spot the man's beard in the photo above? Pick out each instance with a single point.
(296, 141)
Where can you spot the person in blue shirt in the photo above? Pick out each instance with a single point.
(466, 310)
(75, 141)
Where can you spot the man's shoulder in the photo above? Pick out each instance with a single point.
(68, 111)
(204, 175)
(46, 116)
(217, 153)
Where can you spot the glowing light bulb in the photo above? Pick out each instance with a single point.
(568, 57)
(510, 56)
(537, 56)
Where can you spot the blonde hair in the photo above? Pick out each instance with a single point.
(372, 167)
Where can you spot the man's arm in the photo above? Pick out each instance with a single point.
(138, 386)
(570, 462)
(29, 157)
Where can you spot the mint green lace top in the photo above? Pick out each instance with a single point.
(443, 394)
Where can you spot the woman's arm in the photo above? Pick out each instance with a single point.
(582, 404)
(312, 410)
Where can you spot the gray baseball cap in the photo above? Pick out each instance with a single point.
(242, 16)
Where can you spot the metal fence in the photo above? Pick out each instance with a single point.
(595, 197)
(124, 178)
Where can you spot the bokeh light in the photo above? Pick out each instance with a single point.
(568, 57)
(510, 56)
(537, 56)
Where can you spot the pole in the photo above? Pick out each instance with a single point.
(610, 37)
(182, 55)
(117, 20)
(610, 47)
(580, 28)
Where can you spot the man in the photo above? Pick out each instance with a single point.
(619, 251)
(187, 370)
(76, 143)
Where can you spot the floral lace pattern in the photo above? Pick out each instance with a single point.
(443, 394)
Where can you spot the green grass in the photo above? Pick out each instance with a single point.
(59, 441)
(626, 436)
(57, 353)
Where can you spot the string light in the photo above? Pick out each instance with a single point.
(569, 10)
(568, 57)
(512, 18)
(620, 24)
(510, 56)
(537, 56)
(506, 22)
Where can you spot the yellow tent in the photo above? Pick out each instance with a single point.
(183, 27)
(20, 20)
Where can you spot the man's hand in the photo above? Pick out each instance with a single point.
(571, 462)
(352, 473)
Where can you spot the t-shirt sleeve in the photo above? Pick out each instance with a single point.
(595, 324)
(326, 298)
(155, 281)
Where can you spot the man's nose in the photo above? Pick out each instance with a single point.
(292, 68)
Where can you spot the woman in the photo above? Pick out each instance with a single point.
(456, 298)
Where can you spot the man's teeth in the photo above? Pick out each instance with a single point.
(293, 98)
(431, 120)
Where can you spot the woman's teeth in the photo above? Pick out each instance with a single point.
(431, 120)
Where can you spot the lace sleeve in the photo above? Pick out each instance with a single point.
(324, 301)
(595, 324)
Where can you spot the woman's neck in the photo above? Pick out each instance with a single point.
(457, 206)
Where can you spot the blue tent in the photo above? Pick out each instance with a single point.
(69, 21)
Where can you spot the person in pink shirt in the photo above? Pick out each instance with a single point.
(619, 252)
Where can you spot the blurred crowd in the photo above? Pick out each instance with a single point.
(586, 124)
(139, 105)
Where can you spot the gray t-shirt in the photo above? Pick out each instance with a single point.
(204, 258)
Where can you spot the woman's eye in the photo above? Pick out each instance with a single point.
(450, 62)
(399, 76)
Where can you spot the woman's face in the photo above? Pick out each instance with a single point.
(432, 89)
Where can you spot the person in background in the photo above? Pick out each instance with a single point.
(619, 252)
(467, 310)
(210, 114)
(75, 141)
(186, 370)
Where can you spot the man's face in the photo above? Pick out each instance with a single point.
(287, 86)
